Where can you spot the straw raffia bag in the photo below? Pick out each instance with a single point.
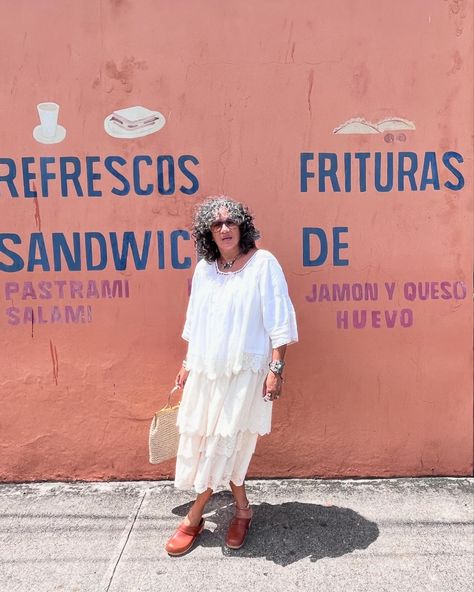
(164, 433)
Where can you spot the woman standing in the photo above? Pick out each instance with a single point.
(238, 323)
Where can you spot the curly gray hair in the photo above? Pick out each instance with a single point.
(206, 213)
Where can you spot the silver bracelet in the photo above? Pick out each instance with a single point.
(276, 366)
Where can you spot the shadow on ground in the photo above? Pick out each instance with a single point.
(285, 533)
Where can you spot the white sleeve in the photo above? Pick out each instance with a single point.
(186, 334)
(279, 317)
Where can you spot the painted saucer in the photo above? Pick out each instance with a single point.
(58, 137)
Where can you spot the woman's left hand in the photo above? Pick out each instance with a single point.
(272, 386)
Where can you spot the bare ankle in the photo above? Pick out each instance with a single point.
(242, 505)
(192, 518)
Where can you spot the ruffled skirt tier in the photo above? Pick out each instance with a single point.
(219, 422)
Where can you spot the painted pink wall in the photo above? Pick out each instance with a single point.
(245, 87)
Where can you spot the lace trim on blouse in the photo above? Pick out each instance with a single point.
(214, 366)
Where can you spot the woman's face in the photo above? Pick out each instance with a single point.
(225, 232)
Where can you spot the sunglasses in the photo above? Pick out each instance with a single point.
(217, 226)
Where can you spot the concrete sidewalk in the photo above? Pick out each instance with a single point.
(350, 535)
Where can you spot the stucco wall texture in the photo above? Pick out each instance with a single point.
(347, 128)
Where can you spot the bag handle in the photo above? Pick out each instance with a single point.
(175, 388)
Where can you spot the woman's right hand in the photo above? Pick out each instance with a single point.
(181, 377)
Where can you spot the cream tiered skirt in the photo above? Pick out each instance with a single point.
(219, 422)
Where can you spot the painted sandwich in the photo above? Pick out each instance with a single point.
(134, 118)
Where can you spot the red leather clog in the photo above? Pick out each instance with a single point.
(183, 538)
(238, 528)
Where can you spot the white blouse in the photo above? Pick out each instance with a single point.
(235, 318)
